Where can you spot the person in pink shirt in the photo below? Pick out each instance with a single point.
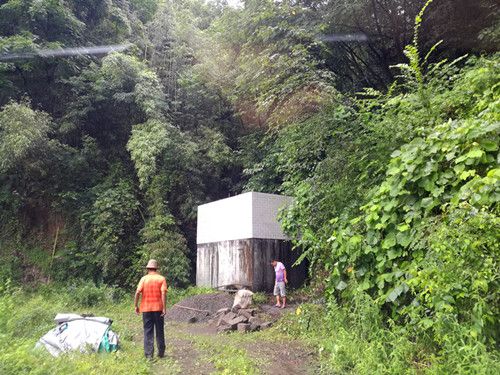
(279, 284)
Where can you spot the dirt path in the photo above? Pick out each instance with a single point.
(187, 359)
(197, 349)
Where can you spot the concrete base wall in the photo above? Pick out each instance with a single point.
(246, 263)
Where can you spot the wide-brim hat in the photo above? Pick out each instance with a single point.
(153, 264)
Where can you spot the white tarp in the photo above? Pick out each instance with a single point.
(75, 332)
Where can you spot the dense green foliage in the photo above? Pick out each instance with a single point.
(353, 338)
(101, 164)
(386, 137)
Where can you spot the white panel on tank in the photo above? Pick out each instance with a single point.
(248, 215)
(265, 211)
(225, 219)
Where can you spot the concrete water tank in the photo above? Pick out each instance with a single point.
(238, 237)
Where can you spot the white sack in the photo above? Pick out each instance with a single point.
(243, 298)
(75, 332)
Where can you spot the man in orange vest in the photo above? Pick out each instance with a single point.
(153, 288)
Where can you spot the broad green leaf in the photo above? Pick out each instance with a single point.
(389, 241)
(341, 285)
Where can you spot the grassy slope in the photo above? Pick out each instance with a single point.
(26, 316)
(350, 340)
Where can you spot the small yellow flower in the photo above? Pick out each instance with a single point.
(298, 311)
(349, 269)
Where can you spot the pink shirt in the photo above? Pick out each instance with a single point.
(280, 272)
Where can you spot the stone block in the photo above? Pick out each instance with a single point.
(226, 318)
(237, 320)
(265, 325)
(248, 313)
(225, 328)
(243, 327)
(255, 320)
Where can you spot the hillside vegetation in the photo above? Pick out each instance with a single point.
(380, 117)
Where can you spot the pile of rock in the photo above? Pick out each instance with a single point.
(237, 319)
(199, 308)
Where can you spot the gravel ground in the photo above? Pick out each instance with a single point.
(209, 302)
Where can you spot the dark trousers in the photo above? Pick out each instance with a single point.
(153, 321)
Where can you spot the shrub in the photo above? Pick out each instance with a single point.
(112, 222)
(385, 246)
(87, 294)
(421, 241)
(163, 242)
(351, 339)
